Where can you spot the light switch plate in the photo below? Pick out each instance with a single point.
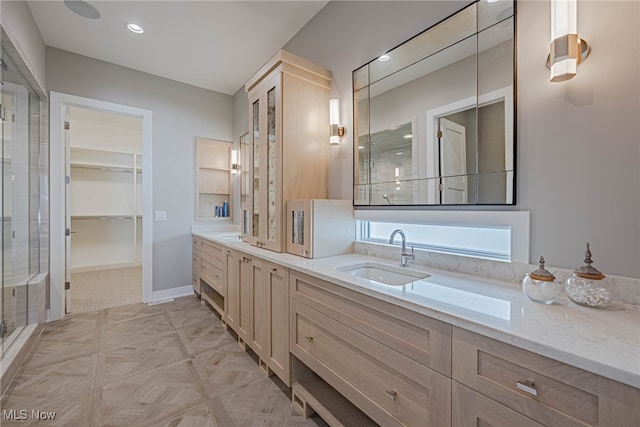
(161, 215)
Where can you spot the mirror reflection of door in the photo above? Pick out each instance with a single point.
(453, 162)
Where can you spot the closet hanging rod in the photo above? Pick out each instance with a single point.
(106, 217)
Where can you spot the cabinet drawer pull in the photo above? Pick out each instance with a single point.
(308, 338)
(527, 386)
(391, 394)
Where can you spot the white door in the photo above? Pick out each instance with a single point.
(453, 162)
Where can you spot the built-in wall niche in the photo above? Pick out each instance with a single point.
(213, 180)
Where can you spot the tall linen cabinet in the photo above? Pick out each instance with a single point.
(288, 146)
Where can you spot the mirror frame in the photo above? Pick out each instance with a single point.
(507, 94)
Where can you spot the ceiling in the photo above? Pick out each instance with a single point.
(217, 45)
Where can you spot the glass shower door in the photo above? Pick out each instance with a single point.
(19, 131)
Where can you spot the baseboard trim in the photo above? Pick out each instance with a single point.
(157, 296)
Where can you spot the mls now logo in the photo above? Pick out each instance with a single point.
(23, 414)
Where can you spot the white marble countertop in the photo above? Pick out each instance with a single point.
(604, 341)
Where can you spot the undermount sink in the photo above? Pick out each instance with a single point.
(384, 274)
(227, 236)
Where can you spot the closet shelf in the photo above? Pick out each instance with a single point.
(105, 167)
(110, 217)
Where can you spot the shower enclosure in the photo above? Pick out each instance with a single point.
(24, 257)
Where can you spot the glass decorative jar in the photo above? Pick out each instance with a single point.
(587, 286)
(541, 286)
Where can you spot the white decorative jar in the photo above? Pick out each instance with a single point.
(589, 287)
(541, 286)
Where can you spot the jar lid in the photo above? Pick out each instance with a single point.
(542, 274)
(587, 271)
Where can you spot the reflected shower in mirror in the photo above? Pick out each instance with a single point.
(435, 119)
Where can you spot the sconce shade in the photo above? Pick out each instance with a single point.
(336, 131)
(234, 162)
(567, 50)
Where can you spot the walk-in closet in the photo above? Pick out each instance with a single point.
(104, 209)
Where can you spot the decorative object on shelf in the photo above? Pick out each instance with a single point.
(541, 286)
(587, 286)
(337, 130)
(567, 49)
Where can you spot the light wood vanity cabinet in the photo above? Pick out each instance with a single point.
(545, 390)
(377, 355)
(397, 366)
(288, 116)
(258, 310)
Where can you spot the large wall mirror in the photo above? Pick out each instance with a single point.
(434, 117)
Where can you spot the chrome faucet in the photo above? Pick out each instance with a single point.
(404, 256)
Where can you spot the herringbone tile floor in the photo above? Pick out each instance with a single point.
(172, 364)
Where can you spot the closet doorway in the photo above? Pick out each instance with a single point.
(103, 209)
(101, 171)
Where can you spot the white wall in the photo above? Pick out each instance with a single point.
(578, 142)
(18, 22)
(180, 113)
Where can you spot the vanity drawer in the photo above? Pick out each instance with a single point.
(471, 408)
(213, 251)
(548, 391)
(391, 388)
(421, 338)
(212, 273)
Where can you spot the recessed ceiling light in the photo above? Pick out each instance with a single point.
(399, 153)
(82, 8)
(383, 58)
(408, 136)
(360, 147)
(134, 28)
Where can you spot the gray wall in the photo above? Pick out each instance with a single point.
(25, 37)
(180, 113)
(578, 146)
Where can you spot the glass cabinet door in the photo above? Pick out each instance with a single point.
(273, 176)
(255, 165)
(245, 188)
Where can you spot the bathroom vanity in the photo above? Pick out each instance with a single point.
(448, 349)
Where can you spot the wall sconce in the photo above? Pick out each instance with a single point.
(235, 167)
(397, 176)
(336, 129)
(567, 50)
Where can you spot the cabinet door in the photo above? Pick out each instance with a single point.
(245, 186)
(260, 273)
(245, 303)
(264, 207)
(234, 264)
(251, 215)
(271, 233)
(278, 345)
